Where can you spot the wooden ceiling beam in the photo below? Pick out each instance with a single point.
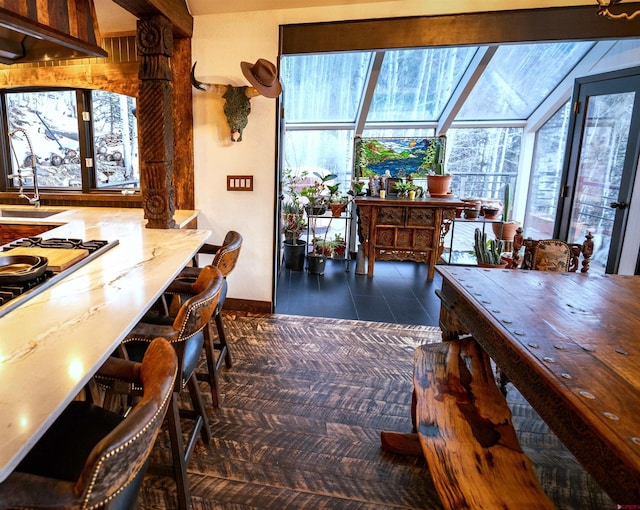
(175, 11)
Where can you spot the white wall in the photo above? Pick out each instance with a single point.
(220, 43)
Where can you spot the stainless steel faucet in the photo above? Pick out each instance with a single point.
(20, 175)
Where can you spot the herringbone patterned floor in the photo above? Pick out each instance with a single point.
(299, 428)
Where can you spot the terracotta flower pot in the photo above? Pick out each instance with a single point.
(471, 213)
(496, 266)
(491, 213)
(438, 185)
(336, 210)
(505, 231)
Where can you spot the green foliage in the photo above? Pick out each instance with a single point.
(335, 196)
(434, 159)
(403, 188)
(293, 224)
(488, 251)
(290, 185)
(316, 193)
(506, 212)
(357, 187)
(292, 208)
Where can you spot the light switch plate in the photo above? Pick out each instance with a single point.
(239, 182)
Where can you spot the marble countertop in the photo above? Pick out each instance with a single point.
(52, 344)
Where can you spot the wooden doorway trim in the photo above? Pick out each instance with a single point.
(513, 26)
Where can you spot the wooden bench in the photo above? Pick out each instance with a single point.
(465, 432)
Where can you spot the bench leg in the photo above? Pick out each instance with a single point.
(401, 443)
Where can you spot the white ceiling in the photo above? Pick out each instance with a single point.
(113, 18)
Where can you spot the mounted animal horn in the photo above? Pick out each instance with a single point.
(236, 106)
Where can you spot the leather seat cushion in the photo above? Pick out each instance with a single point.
(192, 350)
(63, 450)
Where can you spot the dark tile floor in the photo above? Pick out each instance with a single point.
(399, 292)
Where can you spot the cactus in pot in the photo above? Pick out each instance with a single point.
(488, 251)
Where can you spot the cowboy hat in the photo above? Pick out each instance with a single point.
(263, 77)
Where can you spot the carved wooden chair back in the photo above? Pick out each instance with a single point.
(552, 254)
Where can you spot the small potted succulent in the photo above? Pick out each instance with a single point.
(404, 188)
(293, 221)
(339, 246)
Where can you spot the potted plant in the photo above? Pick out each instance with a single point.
(294, 222)
(488, 251)
(438, 180)
(403, 188)
(339, 246)
(317, 194)
(471, 213)
(357, 188)
(491, 212)
(337, 201)
(317, 258)
(323, 247)
(506, 229)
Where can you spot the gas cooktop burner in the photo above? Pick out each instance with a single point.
(58, 242)
(11, 291)
(13, 295)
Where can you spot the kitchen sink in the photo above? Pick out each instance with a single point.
(29, 213)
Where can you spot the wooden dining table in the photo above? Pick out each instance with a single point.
(570, 343)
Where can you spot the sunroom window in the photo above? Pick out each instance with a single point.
(518, 78)
(481, 98)
(415, 85)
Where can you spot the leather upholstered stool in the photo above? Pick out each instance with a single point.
(225, 258)
(185, 332)
(91, 457)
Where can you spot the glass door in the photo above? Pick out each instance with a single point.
(602, 160)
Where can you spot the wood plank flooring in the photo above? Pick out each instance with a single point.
(300, 422)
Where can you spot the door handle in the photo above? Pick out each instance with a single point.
(618, 205)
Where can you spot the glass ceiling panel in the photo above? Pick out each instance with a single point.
(323, 88)
(518, 78)
(417, 84)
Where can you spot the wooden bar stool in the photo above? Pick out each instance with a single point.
(225, 258)
(186, 333)
(91, 457)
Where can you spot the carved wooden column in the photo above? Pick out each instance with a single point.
(155, 120)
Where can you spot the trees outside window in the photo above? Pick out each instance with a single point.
(546, 174)
(50, 120)
(75, 147)
(115, 140)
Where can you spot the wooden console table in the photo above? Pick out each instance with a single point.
(401, 229)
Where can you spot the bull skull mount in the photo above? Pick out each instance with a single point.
(237, 105)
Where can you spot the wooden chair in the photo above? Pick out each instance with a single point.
(91, 457)
(186, 334)
(225, 258)
(551, 254)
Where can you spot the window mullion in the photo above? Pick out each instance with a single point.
(85, 140)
